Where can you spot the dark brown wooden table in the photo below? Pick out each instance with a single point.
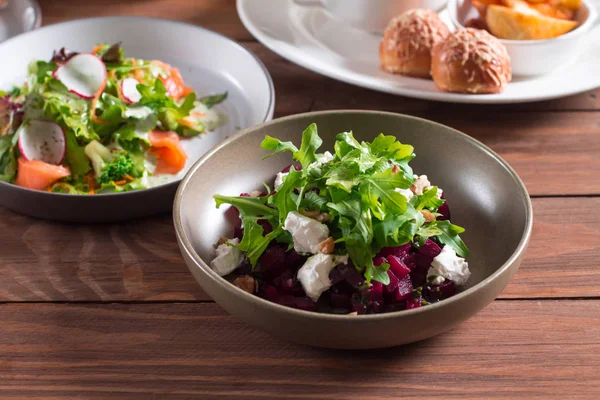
(111, 311)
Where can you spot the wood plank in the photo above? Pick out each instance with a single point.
(218, 15)
(140, 260)
(511, 350)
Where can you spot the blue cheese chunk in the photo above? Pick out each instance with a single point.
(314, 274)
(306, 232)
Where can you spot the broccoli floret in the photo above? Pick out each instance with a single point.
(108, 165)
(116, 169)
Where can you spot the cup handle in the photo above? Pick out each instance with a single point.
(309, 3)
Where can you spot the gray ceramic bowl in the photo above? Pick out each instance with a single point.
(484, 194)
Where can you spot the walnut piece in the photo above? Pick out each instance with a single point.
(395, 169)
(246, 283)
(316, 215)
(429, 217)
(327, 246)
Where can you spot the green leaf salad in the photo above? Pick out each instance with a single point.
(350, 231)
(99, 122)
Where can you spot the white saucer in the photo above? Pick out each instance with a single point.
(310, 37)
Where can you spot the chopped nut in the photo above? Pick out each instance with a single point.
(327, 246)
(255, 193)
(429, 217)
(246, 283)
(316, 215)
(395, 169)
(222, 240)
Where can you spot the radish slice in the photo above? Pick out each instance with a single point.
(42, 141)
(83, 74)
(129, 90)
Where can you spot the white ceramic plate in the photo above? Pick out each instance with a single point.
(310, 37)
(209, 62)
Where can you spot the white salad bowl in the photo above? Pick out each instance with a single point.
(209, 62)
(537, 57)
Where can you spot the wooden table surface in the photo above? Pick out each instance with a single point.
(111, 311)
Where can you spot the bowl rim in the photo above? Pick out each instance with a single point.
(187, 247)
(267, 117)
(579, 30)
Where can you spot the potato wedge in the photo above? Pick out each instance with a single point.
(524, 24)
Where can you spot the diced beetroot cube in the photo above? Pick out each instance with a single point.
(233, 217)
(443, 291)
(267, 228)
(397, 266)
(389, 290)
(272, 262)
(377, 261)
(375, 292)
(445, 211)
(398, 251)
(405, 288)
(430, 249)
(448, 289)
(244, 194)
(351, 275)
(376, 306)
(414, 302)
(238, 233)
(295, 260)
(418, 278)
(359, 308)
(425, 256)
(410, 261)
(341, 301)
(270, 293)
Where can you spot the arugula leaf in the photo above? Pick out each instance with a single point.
(282, 199)
(397, 229)
(213, 100)
(276, 146)
(253, 206)
(449, 236)
(362, 218)
(428, 200)
(345, 143)
(343, 177)
(42, 70)
(310, 144)
(253, 241)
(377, 273)
(312, 201)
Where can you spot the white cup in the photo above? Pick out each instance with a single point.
(371, 15)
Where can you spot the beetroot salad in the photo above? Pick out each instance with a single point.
(348, 232)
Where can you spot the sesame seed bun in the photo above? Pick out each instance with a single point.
(408, 40)
(471, 61)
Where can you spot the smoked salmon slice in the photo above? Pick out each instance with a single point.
(38, 175)
(170, 155)
(174, 84)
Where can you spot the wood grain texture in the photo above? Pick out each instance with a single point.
(217, 15)
(140, 260)
(513, 349)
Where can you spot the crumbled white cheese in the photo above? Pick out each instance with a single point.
(306, 232)
(314, 274)
(279, 179)
(437, 280)
(450, 266)
(420, 184)
(406, 193)
(439, 193)
(228, 258)
(324, 158)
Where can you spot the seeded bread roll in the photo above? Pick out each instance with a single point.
(408, 41)
(471, 61)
